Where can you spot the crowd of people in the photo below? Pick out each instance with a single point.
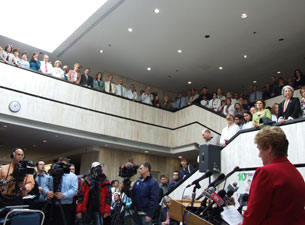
(219, 102)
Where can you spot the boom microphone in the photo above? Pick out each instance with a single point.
(217, 181)
(207, 174)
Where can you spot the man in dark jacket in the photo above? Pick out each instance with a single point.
(86, 80)
(145, 192)
(95, 200)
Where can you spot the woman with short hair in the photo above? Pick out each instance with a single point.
(229, 131)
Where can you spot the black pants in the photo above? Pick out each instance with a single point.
(57, 215)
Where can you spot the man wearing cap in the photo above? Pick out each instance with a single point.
(57, 71)
(145, 192)
(95, 197)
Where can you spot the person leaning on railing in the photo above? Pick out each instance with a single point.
(261, 113)
(302, 102)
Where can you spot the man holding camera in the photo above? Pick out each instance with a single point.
(9, 180)
(65, 183)
(145, 193)
(95, 197)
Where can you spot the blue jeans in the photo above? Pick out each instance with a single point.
(143, 220)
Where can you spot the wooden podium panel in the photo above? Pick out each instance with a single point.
(175, 212)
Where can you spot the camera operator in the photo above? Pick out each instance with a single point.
(145, 193)
(63, 196)
(8, 177)
(95, 197)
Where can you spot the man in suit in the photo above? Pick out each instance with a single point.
(164, 214)
(180, 103)
(277, 191)
(290, 108)
(6, 175)
(110, 87)
(86, 80)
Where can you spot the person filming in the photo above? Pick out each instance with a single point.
(95, 197)
(16, 179)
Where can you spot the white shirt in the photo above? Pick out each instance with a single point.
(204, 103)
(214, 103)
(228, 132)
(147, 99)
(58, 72)
(132, 95)
(43, 67)
(247, 125)
(121, 90)
(230, 111)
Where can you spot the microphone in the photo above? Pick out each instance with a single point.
(217, 181)
(219, 197)
(207, 174)
(206, 193)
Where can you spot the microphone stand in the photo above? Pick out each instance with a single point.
(197, 186)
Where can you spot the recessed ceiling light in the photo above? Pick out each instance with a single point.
(245, 56)
(5, 126)
(206, 36)
(220, 68)
(157, 11)
(101, 51)
(180, 157)
(146, 151)
(189, 82)
(179, 51)
(148, 68)
(281, 39)
(244, 16)
(44, 141)
(254, 82)
(106, 145)
(278, 72)
(130, 29)
(34, 145)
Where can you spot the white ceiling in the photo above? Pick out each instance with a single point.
(182, 25)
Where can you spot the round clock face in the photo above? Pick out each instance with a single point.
(14, 106)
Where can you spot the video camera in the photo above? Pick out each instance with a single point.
(21, 169)
(128, 170)
(59, 169)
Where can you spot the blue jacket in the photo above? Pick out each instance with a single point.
(35, 65)
(146, 195)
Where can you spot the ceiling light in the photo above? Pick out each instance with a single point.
(207, 36)
(146, 151)
(281, 39)
(157, 11)
(244, 16)
(34, 145)
(245, 56)
(5, 126)
(44, 141)
(180, 157)
(254, 82)
(220, 68)
(148, 68)
(190, 82)
(278, 72)
(179, 51)
(130, 29)
(101, 51)
(106, 145)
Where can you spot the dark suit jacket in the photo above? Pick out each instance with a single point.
(293, 109)
(163, 215)
(84, 81)
(277, 195)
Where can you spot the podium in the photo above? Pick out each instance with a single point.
(175, 212)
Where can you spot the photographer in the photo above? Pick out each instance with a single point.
(95, 197)
(14, 174)
(66, 183)
(145, 193)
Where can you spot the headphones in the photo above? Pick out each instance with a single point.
(14, 151)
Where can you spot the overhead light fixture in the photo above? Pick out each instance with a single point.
(189, 82)
(4, 126)
(245, 56)
(180, 157)
(179, 51)
(148, 68)
(34, 145)
(254, 82)
(130, 29)
(146, 151)
(157, 11)
(206, 36)
(278, 72)
(44, 141)
(101, 51)
(220, 68)
(106, 145)
(244, 16)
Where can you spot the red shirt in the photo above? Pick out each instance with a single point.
(277, 195)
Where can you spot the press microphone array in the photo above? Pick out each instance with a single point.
(207, 174)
